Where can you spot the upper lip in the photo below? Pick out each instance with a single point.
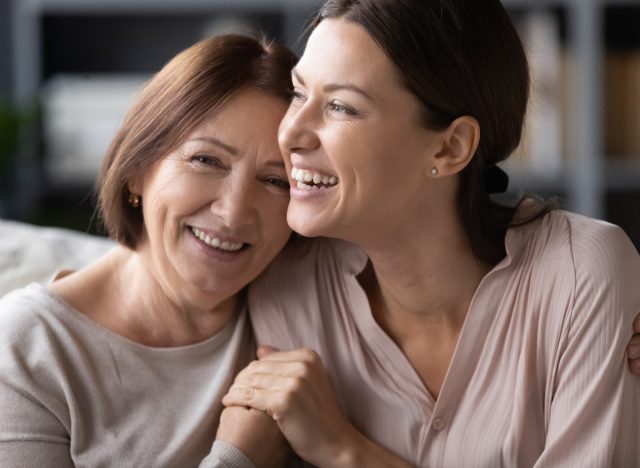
(306, 167)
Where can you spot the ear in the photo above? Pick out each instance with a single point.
(459, 145)
(136, 185)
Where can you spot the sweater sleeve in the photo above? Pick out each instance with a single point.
(30, 435)
(33, 429)
(225, 455)
(592, 419)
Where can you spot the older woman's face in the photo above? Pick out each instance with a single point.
(353, 131)
(215, 208)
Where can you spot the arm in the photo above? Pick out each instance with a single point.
(293, 388)
(30, 435)
(594, 400)
(247, 438)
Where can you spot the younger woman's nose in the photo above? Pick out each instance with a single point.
(298, 131)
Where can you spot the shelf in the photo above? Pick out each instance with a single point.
(586, 180)
(622, 175)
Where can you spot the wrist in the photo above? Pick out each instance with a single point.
(351, 452)
(356, 450)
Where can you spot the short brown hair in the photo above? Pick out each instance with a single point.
(177, 99)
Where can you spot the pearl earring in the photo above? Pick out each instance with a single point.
(434, 171)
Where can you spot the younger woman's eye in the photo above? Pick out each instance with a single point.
(297, 95)
(340, 108)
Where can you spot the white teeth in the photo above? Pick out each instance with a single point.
(303, 186)
(215, 242)
(304, 178)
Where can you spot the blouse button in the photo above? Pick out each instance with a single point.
(438, 424)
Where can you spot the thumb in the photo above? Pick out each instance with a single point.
(265, 351)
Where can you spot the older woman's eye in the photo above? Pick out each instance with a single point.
(207, 160)
(278, 182)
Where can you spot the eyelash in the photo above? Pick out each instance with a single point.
(333, 105)
(207, 160)
(277, 182)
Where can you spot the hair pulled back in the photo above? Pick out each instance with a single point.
(458, 57)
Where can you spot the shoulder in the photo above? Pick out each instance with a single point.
(591, 247)
(306, 260)
(34, 327)
(22, 311)
(594, 261)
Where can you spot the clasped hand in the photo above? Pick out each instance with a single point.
(293, 388)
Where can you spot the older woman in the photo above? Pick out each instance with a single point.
(124, 362)
(454, 331)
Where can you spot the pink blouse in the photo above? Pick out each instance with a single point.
(538, 377)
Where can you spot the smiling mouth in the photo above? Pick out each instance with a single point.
(217, 243)
(309, 180)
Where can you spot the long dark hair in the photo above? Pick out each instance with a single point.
(458, 57)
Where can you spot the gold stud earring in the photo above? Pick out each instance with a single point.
(134, 200)
(434, 171)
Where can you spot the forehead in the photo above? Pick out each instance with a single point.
(249, 120)
(341, 50)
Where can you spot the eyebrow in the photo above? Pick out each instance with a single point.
(214, 141)
(278, 164)
(336, 86)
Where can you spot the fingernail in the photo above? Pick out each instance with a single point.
(634, 351)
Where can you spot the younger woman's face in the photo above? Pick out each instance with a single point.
(355, 150)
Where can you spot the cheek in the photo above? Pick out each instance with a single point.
(277, 230)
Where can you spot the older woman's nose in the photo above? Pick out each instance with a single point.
(236, 204)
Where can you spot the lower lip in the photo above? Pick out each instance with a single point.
(214, 253)
(302, 194)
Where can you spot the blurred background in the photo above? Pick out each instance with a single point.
(70, 68)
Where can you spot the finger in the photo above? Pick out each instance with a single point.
(301, 354)
(275, 369)
(634, 366)
(636, 324)
(265, 350)
(269, 381)
(633, 349)
(271, 402)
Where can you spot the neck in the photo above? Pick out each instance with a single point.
(423, 279)
(420, 284)
(151, 311)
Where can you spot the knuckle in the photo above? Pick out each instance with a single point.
(309, 356)
(301, 370)
(294, 386)
(253, 366)
(247, 394)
